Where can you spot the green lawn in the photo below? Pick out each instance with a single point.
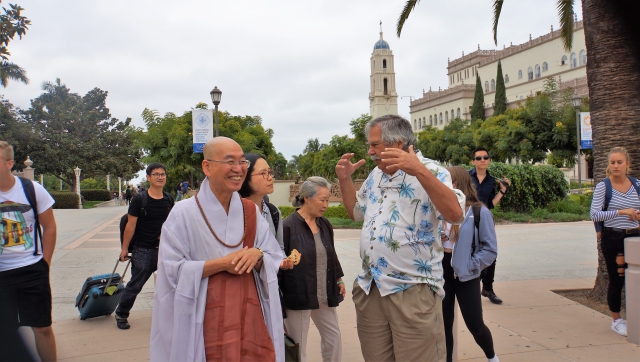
(90, 204)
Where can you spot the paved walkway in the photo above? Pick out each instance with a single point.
(533, 324)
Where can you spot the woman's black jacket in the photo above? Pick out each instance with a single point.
(299, 285)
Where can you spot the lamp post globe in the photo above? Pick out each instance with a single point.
(577, 102)
(77, 171)
(216, 95)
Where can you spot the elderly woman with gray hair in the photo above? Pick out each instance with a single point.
(313, 288)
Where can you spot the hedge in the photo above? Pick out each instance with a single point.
(65, 200)
(332, 211)
(96, 194)
(532, 187)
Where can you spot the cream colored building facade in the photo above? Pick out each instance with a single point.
(383, 98)
(525, 67)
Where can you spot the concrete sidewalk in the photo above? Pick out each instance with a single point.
(533, 323)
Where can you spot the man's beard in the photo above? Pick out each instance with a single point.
(375, 158)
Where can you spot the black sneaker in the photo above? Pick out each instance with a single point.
(492, 296)
(122, 323)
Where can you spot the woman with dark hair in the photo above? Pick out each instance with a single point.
(314, 288)
(256, 186)
(467, 252)
(616, 219)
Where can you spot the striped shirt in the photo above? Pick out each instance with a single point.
(619, 201)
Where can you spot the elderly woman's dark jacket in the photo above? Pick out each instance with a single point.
(299, 285)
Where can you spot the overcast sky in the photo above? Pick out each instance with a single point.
(303, 66)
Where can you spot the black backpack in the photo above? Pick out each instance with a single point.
(30, 193)
(143, 211)
(608, 194)
(275, 215)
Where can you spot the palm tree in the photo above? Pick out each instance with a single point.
(613, 74)
(12, 71)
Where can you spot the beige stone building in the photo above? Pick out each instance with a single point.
(525, 68)
(383, 98)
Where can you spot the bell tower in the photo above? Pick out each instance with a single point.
(383, 98)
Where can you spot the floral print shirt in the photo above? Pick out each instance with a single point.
(400, 240)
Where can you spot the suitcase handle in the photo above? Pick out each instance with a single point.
(113, 274)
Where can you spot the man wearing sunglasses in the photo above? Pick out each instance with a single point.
(486, 187)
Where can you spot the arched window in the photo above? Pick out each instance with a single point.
(493, 85)
(574, 60)
(452, 114)
(384, 63)
(415, 124)
(486, 86)
(537, 71)
(430, 121)
(385, 86)
(583, 57)
(506, 78)
(545, 66)
(520, 74)
(446, 116)
(564, 60)
(435, 119)
(458, 113)
(529, 73)
(440, 117)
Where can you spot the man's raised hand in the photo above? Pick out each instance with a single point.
(344, 167)
(396, 159)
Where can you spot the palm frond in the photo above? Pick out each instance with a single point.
(565, 13)
(404, 15)
(497, 9)
(12, 71)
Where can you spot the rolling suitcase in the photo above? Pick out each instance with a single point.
(101, 294)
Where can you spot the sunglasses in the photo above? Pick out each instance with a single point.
(479, 158)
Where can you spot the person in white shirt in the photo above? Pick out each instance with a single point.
(25, 257)
(398, 295)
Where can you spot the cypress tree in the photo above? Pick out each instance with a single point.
(477, 110)
(501, 93)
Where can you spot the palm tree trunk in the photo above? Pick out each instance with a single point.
(613, 72)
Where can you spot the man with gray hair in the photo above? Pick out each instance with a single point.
(398, 295)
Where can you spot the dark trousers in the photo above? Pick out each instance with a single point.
(143, 263)
(612, 246)
(488, 275)
(469, 300)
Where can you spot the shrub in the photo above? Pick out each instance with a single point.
(540, 213)
(336, 212)
(65, 200)
(286, 210)
(565, 206)
(96, 194)
(531, 186)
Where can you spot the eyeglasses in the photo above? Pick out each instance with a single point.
(265, 174)
(478, 158)
(231, 163)
(159, 175)
(395, 187)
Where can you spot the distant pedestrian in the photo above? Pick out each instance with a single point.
(185, 188)
(116, 200)
(485, 186)
(127, 195)
(467, 252)
(179, 194)
(620, 220)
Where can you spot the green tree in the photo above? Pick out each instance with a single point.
(477, 109)
(501, 93)
(12, 23)
(72, 130)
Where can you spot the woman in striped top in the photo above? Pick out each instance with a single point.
(620, 221)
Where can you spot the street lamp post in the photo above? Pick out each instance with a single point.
(216, 94)
(577, 101)
(77, 171)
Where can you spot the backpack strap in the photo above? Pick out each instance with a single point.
(476, 221)
(608, 194)
(168, 197)
(30, 194)
(636, 184)
(275, 215)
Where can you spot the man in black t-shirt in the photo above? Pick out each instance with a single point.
(146, 224)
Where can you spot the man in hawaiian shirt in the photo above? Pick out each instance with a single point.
(399, 315)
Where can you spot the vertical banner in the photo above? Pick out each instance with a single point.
(202, 120)
(586, 141)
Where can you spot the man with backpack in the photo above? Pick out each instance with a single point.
(127, 195)
(147, 212)
(27, 241)
(485, 185)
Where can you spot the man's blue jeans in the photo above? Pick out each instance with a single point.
(143, 263)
